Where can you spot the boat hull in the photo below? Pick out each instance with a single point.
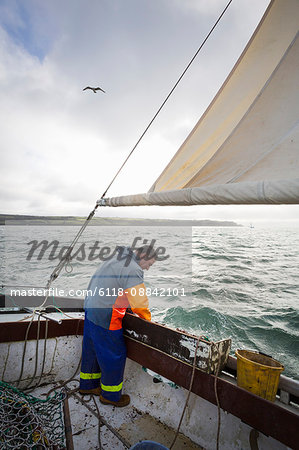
(241, 411)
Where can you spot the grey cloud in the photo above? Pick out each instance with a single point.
(63, 145)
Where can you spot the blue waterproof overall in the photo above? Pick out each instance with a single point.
(103, 362)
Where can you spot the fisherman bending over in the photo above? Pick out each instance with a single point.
(116, 285)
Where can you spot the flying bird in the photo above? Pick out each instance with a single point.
(94, 89)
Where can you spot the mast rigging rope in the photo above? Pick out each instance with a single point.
(168, 96)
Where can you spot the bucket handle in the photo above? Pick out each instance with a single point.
(264, 354)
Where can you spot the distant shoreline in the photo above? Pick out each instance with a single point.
(16, 219)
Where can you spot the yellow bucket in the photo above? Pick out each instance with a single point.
(258, 373)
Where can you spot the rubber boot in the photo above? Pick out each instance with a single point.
(123, 401)
(95, 391)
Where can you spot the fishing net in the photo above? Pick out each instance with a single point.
(27, 422)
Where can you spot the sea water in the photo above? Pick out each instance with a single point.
(224, 282)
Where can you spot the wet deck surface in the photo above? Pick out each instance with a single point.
(130, 423)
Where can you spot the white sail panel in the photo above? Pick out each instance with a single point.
(249, 135)
(264, 144)
(247, 80)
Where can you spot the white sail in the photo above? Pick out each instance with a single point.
(245, 147)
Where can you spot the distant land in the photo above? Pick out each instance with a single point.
(13, 219)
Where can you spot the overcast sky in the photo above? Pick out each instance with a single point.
(60, 146)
